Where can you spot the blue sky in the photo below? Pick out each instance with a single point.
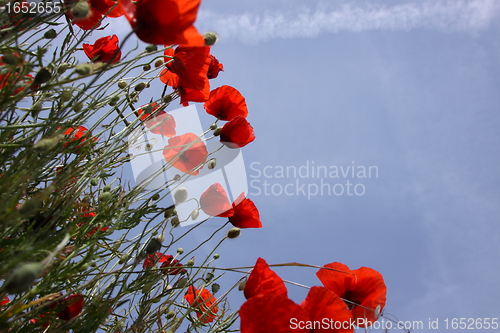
(408, 87)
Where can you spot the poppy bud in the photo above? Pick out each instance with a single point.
(217, 131)
(195, 214)
(167, 99)
(106, 196)
(147, 287)
(242, 285)
(210, 38)
(81, 10)
(106, 188)
(146, 67)
(151, 48)
(181, 283)
(158, 63)
(66, 95)
(10, 59)
(43, 75)
(62, 67)
(169, 212)
(35, 109)
(140, 86)
(94, 181)
(29, 208)
(209, 276)
(22, 278)
(170, 314)
(123, 259)
(213, 126)
(216, 256)
(233, 233)
(153, 246)
(83, 69)
(78, 107)
(155, 196)
(215, 288)
(211, 163)
(45, 144)
(122, 84)
(190, 262)
(175, 222)
(180, 195)
(180, 250)
(50, 34)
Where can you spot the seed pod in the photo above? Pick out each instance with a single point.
(209, 276)
(215, 288)
(22, 278)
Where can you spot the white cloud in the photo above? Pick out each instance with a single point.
(454, 15)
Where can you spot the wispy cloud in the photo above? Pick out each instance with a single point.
(451, 15)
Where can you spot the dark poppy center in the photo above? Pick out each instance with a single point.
(350, 300)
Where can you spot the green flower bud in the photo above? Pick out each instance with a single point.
(169, 212)
(158, 63)
(43, 75)
(123, 259)
(170, 314)
(242, 285)
(216, 256)
(106, 188)
(147, 288)
(94, 181)
(10, 59)
(105, 196)
(78, 107)
(233, 233)
(213, 126)
(155, 196)
(190, 262)
(35, 109)
(122, 84)
(211, 163)
(146, 67)
(217, 131)
(50, 34)
(63, 67)
(66, 95)
(140, 86)
(83, 69)
(215, 288)
(167, 99)
(151, 48)
(45, 144)
(210, 38)
(175, 222)
(181, 283)
(195, 214)
(180, 195)
(22, 278)
(180, 250)
(81, 10)
(209, 276)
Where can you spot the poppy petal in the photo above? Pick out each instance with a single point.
(263, 280)
(214, 201)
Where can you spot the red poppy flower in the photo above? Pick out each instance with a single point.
(363, 290)
(191, 152)
(13, 83)
(105, 49)
(214, 201)
(5, 300)
(164, 21)
(214, 68)
(268, 309)
(166, 122)
(237, 133)
(103, 7)
(70, 306)
(226, 103)
(245, 213)
(188, 72)
(91, 21)
(204, 303)
(264, 281)
(80, 134)
(171, 266)
(88, 216)
(152, 259)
